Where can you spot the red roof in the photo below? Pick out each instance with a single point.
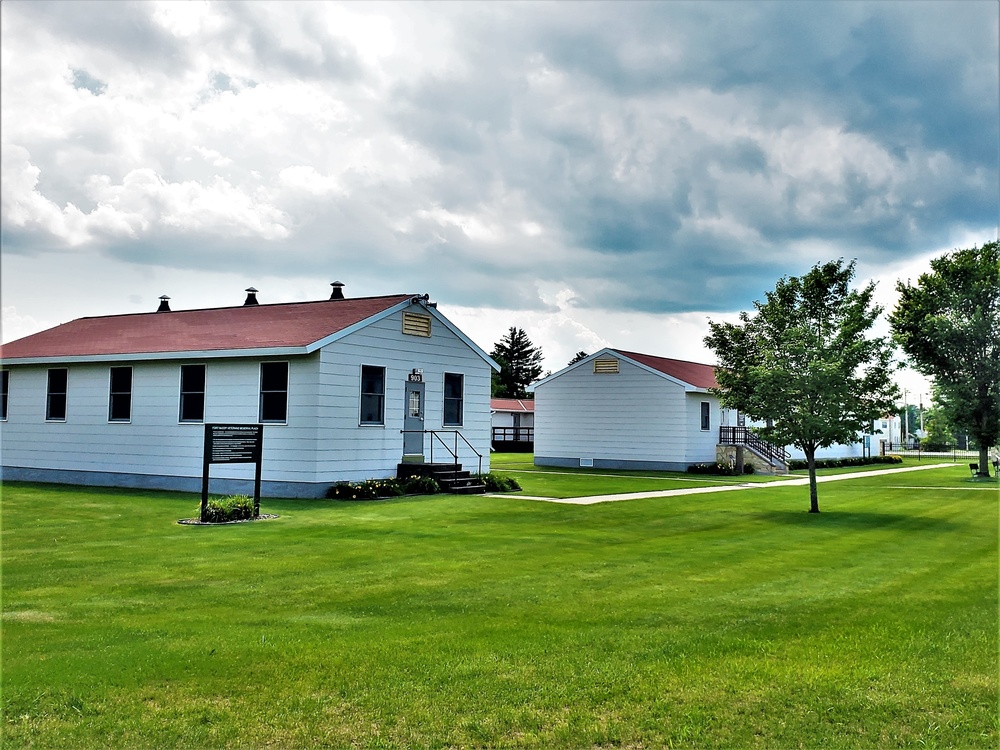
(295, 324)
(512, 404)
(698, 375)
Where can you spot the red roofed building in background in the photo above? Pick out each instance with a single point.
(624, 410)
(347, 389)
(513, 424)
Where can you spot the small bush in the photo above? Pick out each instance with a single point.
(373, 489)
(421, 486)
(231, 508)
(499, 483)
(713, 468)
(836, 463)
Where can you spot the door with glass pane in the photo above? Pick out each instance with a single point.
(413, 420)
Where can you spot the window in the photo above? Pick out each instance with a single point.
(4, 388)
(453, 388)
(273, 391)
(120, 396)
(372, 395)
(55, 399)
(192, 393)
(706, 415)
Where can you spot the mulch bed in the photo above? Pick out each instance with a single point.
(198, 522)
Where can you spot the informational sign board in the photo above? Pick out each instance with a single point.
(233, 444)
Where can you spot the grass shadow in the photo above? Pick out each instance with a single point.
(855, 520)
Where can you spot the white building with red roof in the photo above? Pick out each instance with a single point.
(346, 390)
(625, 410)
(513, 424)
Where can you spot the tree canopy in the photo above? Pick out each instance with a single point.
(804, 365)
(520, 364)
(578, 357)
(948, 324)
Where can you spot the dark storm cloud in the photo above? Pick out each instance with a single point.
(649, 156)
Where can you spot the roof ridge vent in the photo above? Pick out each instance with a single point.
(338, 290)
(164, 304)
(251, 297)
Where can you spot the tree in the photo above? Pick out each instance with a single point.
(520, 364)
(949, 326)
(578, 357)
(803, 364)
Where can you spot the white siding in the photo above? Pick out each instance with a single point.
(349, 451)
(701, 444)
(321, 442)
(632, 416)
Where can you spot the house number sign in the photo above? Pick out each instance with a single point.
(233, 444)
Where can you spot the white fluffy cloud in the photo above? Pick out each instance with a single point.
(596, 173)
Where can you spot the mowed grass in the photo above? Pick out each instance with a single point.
(720, 620)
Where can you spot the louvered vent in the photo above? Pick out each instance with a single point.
(605, 366)
(416, 325)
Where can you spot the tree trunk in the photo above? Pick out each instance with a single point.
(813, 497)
(984, 459)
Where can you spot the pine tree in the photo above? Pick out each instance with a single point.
(520, 364)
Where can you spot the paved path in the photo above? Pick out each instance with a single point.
(594, 499)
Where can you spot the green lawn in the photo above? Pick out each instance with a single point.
(721, 620)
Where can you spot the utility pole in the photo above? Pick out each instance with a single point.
(906, 420)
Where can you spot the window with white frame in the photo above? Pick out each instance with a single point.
(273, 391)
(454, 387)
(706, 415)
(372, 395)
(4, 390)
(55, 396)
(120, 395)
(192, 402)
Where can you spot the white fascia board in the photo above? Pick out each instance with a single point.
(405, 304)
(567, 368)
(337, 335)
(688, 388)
(465, 339)
(283, 351)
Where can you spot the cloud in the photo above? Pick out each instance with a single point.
(564, 159)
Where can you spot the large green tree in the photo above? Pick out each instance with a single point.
(948, 323)
(520, 364)
(804, 365)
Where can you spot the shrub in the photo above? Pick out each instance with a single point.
(834, 463)
(373, 489)
(499, 483)
(230, 508)
(713, 468)
(421, 486)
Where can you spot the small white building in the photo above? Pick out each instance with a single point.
(624, 410)
(513, 424)
(346, 390)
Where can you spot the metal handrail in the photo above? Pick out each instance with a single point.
(745, 436)
(514, 434)
(454, 453)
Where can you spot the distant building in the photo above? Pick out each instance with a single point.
(513, 422)
(346, 390)
(624, 410)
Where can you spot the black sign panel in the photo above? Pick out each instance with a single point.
(233, 444)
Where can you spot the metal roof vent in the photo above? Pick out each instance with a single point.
(338, 290)
(251, 297)
(164, 304)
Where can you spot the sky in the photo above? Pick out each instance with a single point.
(598, 174)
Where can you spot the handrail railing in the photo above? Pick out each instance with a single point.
(454, 453)
(514, 434)
(745, 436)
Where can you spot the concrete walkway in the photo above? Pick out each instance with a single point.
(798, 481)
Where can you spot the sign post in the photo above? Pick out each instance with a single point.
(233, 444)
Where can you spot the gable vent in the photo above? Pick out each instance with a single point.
(606, 366)
(416, 325)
